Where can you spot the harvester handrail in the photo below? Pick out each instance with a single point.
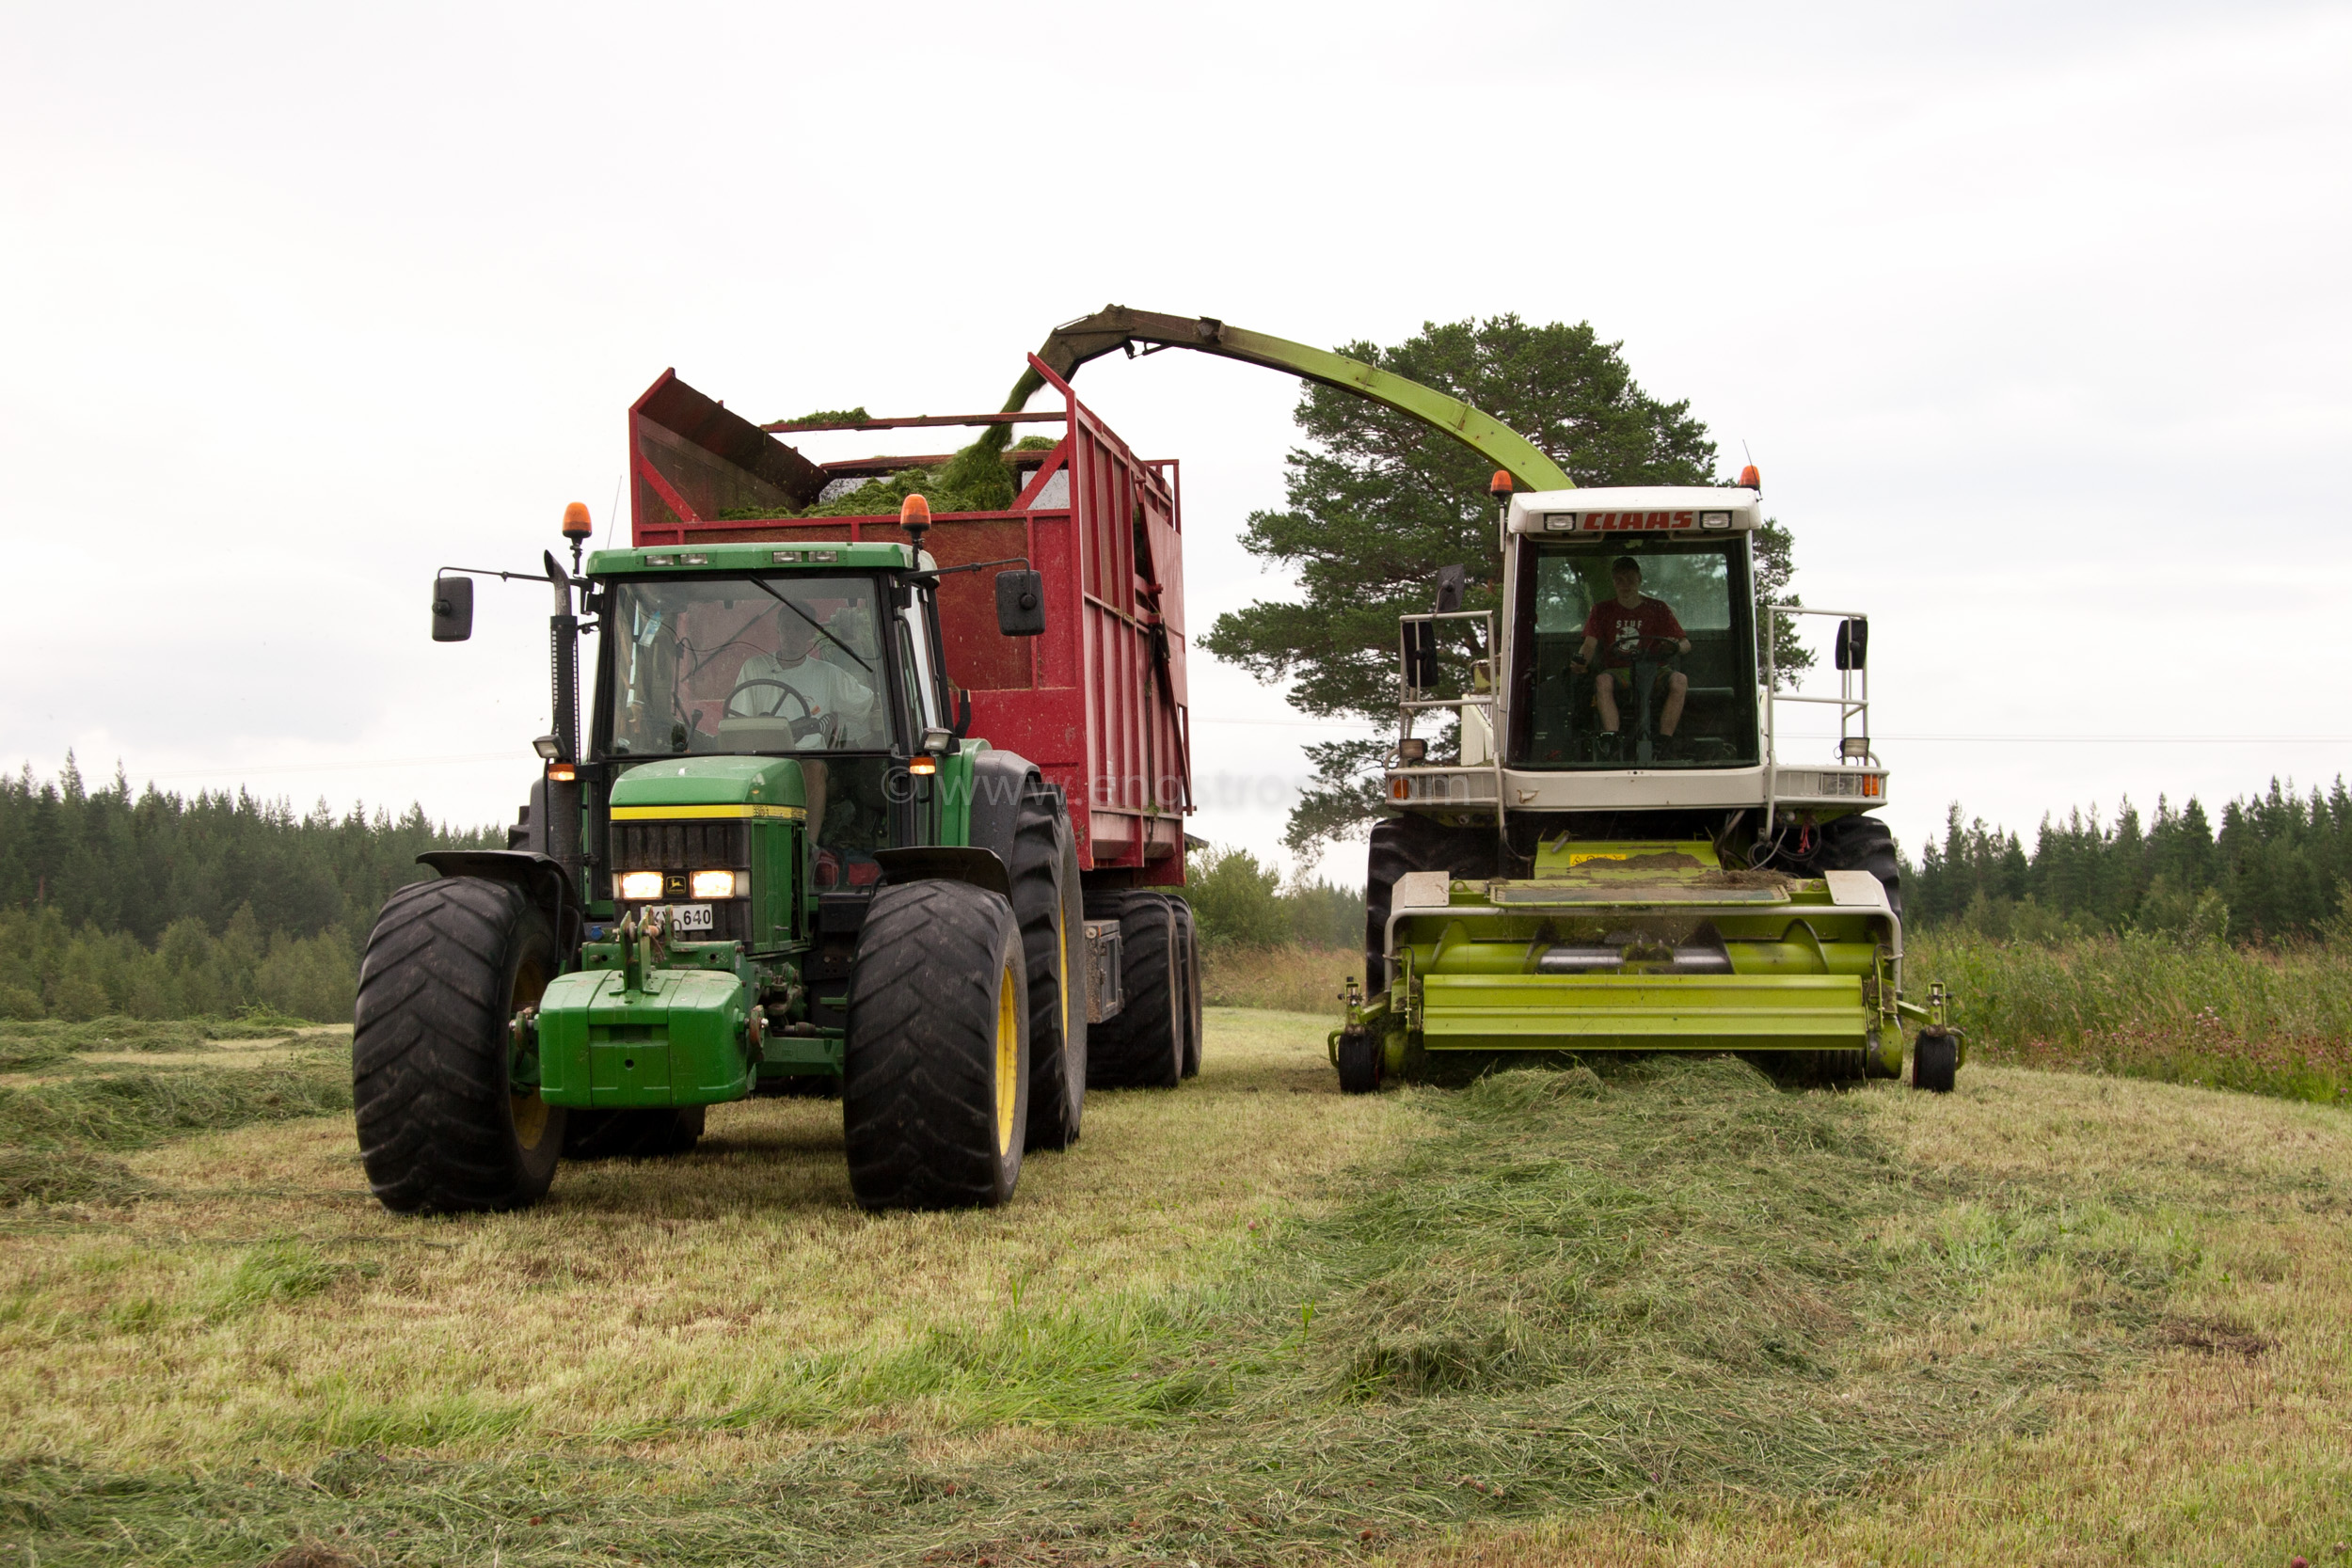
(1848, 702)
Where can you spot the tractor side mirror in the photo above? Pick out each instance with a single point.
(1853, 643)
(1021, 604)
(453, 608)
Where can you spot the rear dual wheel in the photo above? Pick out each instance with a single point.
(1155, 1032)
(1050, 904)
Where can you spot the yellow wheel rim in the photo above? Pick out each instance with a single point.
(1008, 1060)
(1068, 967)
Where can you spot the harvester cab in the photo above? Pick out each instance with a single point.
(1593, 839)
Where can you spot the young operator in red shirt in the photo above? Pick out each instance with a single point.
(1629, 626)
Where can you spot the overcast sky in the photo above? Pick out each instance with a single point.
(2034, 316)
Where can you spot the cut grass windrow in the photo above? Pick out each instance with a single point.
(130, 1109)
(1563, 1292)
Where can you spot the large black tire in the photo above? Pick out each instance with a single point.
(1360, 1063)
(1050, 903)
(631, 1134)
(1188, 957)
(1858, 843)
(1408, 843)
(1142, 1047)
(935, 1082)
(448, 966)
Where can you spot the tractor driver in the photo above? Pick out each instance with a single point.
(839, 709)
(1625, 628)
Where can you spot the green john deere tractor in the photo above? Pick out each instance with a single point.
(809, 886)
(1606, 848)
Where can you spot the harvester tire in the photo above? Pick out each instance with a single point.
(1360, 1062)
(448, 966)
(1188, 955)
(1935, 1061)
(1861, 842)
(1143, 1046)
(1410, 843)
(935, 1080)
(645, 1135)
(1047, 896)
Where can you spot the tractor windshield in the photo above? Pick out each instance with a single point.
(1606, 681)
(782, 663)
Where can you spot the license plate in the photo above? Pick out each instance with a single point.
(689, 918)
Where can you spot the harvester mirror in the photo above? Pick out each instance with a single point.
(1452, 581)
(1853, 643)
(1021, 604)
(1420, 654)
(453, 608)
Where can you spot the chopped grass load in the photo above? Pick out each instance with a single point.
(977, 479)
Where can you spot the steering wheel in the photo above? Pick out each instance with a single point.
(803, 727)
(1648, 650)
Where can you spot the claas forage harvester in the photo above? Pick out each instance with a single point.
(1604, 846)
(884, 806)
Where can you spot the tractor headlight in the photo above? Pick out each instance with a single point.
(639, 887)
(713, 884)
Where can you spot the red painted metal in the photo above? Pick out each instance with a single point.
(1024, 417)
(1099, 703)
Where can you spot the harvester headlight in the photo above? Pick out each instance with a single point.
(639, 886)
(712, 884)
(1714, 519)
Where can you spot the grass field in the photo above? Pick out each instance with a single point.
(1659, 1313)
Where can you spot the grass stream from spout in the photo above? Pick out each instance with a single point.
(1566, 1288)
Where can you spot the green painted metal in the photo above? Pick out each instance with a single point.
(680, 1037)
(1115, 327)
(712, 781)
(1805, 973)
(1639, 1012)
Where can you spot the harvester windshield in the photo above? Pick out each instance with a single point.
(778, 664)
(1635, 647)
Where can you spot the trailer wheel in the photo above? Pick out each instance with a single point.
(1935, 1061)
(935, 1081)
(1143, 1047)
(647, 1135)
(1047, 896)
(443, 1125)
(1188, 953)
(1360, 1062)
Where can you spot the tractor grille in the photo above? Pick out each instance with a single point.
(681, 846)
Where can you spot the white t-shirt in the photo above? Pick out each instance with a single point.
(825, 687)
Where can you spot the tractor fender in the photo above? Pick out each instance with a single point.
(947, 862)
(999, 781)
(540, 876)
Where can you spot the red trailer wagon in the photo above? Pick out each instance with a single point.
(1099, 701)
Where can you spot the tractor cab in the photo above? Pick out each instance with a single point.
(830, 659)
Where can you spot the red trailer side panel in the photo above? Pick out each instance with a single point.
(1099, 703)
